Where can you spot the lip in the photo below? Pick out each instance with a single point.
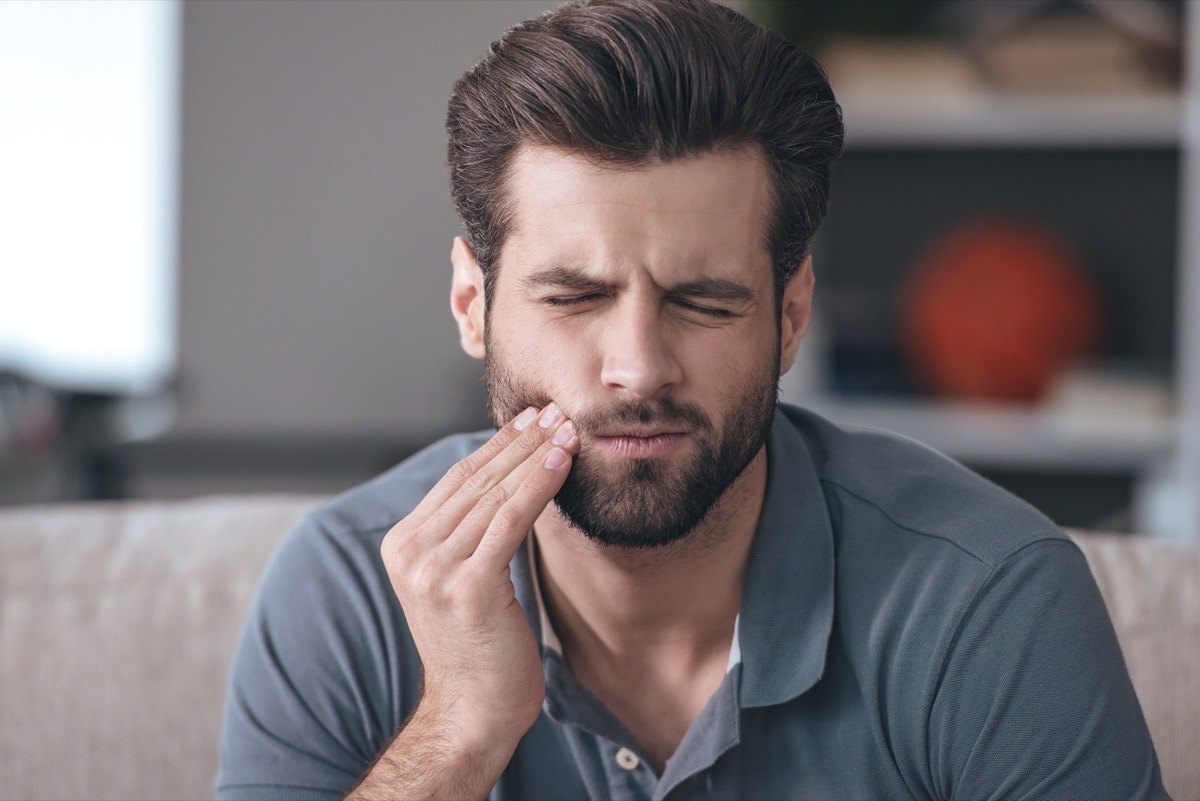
(642, 444)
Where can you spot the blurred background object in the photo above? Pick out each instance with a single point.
(1075, 45)
(30, 433)
(88, 213)
(1066, 376)
(304, 346)
(1024, 46)
(994, 310)
(89, 197)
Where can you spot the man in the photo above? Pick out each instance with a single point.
(652, 580)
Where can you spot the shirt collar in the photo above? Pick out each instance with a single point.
(545, 631)
(787, 601)
(548, 638)
(782, 631)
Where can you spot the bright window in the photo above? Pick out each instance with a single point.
(88, 155)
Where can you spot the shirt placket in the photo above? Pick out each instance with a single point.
(629, 776)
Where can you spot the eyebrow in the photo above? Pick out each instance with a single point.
(561, 278)
(718, 289)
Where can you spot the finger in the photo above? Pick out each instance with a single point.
(464, 469)
(513, 521)
(482, 494)
(442, 521)
(471, 529)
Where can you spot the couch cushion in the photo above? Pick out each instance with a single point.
(118, 621)
(117, 624)
(1153, 595)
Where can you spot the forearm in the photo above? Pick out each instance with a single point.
(429, 760)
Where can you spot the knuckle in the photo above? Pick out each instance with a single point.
(477, 519)
(427, 579)
(395, 542)
(487, 505)
(461, 471)
(438, 519)
(497, 496)
(507, 517)
(479, 482)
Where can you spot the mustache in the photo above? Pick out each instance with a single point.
(658, 412)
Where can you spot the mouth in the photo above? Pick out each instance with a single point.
(641, 443)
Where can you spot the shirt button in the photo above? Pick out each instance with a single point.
(627, 759)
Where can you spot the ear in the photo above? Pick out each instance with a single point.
(796, 311)
(467, 298)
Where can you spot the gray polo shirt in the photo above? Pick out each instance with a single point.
(907, 630)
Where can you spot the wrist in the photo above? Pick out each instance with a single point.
(466, 738)
(431, 758)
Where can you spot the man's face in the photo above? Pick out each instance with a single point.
(642, 302)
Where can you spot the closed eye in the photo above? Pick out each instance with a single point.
(573, 300)
(711, 311)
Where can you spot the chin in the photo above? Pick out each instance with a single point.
(645, 503)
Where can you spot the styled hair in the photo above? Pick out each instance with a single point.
(633, 82)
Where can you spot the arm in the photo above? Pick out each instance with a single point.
(448, 564)
(1034, 699)
(426, 760)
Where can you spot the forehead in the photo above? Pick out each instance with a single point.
(702, 214)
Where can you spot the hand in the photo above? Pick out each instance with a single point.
(449, 566)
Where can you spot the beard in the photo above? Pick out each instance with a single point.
(647, 502)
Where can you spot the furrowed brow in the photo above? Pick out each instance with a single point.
(718, 289)
(561, 278)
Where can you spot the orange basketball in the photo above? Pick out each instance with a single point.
(994, 309)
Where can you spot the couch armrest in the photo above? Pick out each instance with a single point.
(1152, 591)
(117, 625)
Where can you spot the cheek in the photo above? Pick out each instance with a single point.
(729, 371)
(726, 378)
(548, 358)
(733, 352)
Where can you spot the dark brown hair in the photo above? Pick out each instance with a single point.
(629, 82)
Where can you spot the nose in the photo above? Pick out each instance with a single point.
(639, 353)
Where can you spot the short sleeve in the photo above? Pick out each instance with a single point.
(323, 673)
(1034, 701)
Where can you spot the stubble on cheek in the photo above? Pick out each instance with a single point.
(507, 396)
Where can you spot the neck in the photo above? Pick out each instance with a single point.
(626, 607)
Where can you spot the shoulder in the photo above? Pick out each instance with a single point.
(329, 564)
(390, 496)
(895, 487)
(918, 537)
(965, 615)
(343, 535)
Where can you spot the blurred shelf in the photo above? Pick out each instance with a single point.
(964, 120)
(1013, 437)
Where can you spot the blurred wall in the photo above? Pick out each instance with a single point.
(316, 220)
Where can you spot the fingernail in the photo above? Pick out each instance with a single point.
(564, 434)
(555, 459)
(524, 419)
(550, 416)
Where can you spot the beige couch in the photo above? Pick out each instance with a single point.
(117, 622)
